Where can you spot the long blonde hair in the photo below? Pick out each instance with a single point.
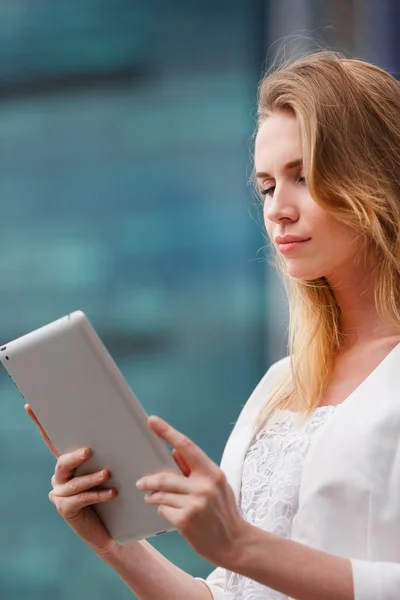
(348, 113)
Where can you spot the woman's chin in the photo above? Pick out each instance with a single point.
(303, 273)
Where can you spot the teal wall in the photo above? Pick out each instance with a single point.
(124, 156)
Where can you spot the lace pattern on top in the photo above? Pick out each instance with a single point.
(271, 480)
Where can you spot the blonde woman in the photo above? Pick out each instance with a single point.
(306, 504)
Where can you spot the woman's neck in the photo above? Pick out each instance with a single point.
(360, 322)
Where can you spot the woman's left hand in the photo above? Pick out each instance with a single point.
(200, 505)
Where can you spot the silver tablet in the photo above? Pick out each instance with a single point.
(82, 400)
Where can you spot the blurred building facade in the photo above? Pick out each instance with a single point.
(125, 153)
(125, 129)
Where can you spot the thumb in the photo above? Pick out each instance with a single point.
(181, 462)
(44, 435)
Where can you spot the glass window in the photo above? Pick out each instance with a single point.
(125, 132)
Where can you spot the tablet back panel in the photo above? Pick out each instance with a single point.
(82, 400)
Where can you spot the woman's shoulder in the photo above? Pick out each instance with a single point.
(273, 374)
(263, 388)
(279, 366)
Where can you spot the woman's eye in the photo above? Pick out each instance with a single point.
(268, 191)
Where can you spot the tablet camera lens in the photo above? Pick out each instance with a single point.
(3, 348)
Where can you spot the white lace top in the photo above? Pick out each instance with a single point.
(270, 486)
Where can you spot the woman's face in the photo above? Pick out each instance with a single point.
(289, 210)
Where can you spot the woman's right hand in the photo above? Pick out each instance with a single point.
(74, 496)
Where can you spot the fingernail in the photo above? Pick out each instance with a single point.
(83, 453)
(139, 483)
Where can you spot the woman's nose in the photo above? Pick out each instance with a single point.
(280, 206)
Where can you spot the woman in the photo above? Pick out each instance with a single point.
(306, 503)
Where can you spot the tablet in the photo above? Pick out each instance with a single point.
(81, 399)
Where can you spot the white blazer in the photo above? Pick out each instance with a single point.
(349, 503)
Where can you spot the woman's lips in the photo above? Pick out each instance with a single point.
(291, 246)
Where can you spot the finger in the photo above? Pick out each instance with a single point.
(180, 461)
(81, 484)
(173, 515)
(190, 452)
(168, 482)
(70, 507)
(44, 435)
(178, 517)
(167, 499)
(67, 463)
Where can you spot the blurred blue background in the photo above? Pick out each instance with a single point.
(125, 151)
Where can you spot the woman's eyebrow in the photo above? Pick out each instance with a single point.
(290, 165)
